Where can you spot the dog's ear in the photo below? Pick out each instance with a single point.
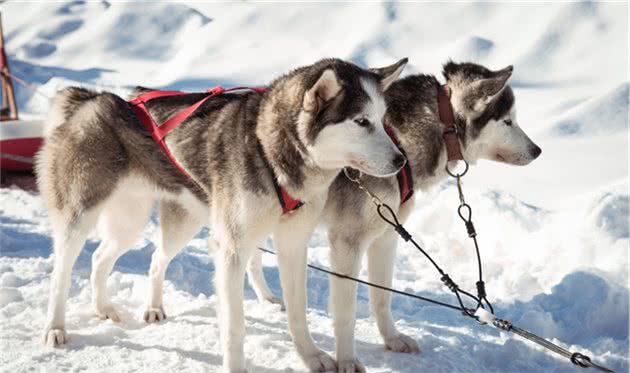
(389, 74)
(322, 92)
(449, 69)
(490, 88)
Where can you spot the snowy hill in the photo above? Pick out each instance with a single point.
(554, 235)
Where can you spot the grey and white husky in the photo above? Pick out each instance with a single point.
(99, 168)
(485, 117)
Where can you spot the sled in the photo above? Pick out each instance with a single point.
(19, 142)
(19, 139)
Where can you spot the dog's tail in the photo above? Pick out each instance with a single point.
(65, 103)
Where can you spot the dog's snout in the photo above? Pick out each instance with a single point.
(535, 151)
(399, 161)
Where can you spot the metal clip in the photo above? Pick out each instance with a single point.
(357, 180)
(460, 191)
(502, 324)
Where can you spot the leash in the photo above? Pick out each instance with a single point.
(371, 284)
(26, 84)
(480, 313)
(465, 213)
(389, 216)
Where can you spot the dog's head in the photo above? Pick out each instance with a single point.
(341, 119)
(484, 104)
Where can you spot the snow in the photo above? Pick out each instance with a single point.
(604, 114)
(554, 235)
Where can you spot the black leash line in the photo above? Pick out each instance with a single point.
(444, 277)
(383, 209)
(367, 283)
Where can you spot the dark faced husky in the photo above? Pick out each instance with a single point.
(99, 168)
(487, 128)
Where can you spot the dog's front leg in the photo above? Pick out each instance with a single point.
(381, 255)
(345, 258)
(231, 260)
(290, 241)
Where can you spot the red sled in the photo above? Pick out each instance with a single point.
(19, 142)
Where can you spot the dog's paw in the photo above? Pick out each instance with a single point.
(55, 337)
(275, 300)
(320, 362)
(107, 311)
(350, 366)
(402, 343)
(153, 314)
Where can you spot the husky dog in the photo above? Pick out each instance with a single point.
(99, 168)
(485, 117)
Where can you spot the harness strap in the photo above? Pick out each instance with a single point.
(287, 202)
(159, 131)
(150, 125)
(172, 122)
(148, 96)
(449, 133)
(404, 176)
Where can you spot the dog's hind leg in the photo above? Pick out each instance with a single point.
(257, 279)
(77, 169)
(69, 233)
(119, 227)
(177, 226)
(381, 256)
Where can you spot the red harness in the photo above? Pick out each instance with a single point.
(404, 176)
(159, 131)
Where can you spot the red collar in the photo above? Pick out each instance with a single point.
(447, 118)
(159, 131)
(404, 176)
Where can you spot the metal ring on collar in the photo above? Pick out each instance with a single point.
(454, 174)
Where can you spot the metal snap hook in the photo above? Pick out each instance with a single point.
(375, 200)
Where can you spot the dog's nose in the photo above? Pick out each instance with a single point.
(399, 161)
(535, 151)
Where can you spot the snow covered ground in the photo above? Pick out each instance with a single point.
(555, 235)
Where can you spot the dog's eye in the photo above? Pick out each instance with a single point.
(508, 122)
(362, 122)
